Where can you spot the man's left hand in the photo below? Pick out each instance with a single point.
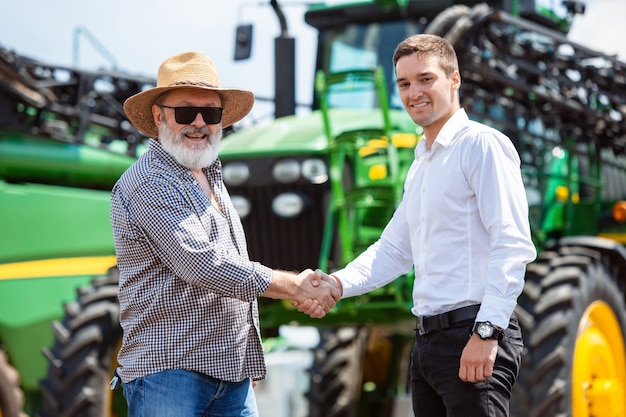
(477, 359)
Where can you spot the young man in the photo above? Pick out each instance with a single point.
(463, 226)
(188, 292)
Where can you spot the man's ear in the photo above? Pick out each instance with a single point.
(156, 115)
(456, 80)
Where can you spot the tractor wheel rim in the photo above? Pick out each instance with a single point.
(599, 370)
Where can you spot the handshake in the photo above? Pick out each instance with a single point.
(312, 292)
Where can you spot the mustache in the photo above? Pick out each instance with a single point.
(196, 130)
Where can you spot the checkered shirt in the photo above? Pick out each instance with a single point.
(188, 291)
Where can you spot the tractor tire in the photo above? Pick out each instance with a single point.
(83, 357)
(575, 363)
(11, 395)
(336, 372)
(520, 396)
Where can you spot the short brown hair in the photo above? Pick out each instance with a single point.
(429, 45)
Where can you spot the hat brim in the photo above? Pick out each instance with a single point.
(138, 108)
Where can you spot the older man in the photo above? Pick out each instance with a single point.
(188, 291)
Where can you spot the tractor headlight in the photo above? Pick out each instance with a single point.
(288, 205)
(287, 170)
(315, 170)
(242, 205)
(235, 173)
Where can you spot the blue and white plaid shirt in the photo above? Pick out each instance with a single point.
(188, 291)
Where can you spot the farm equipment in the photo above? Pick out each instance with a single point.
(313, 190)
(64, 141)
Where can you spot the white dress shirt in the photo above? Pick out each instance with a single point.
(462, 224)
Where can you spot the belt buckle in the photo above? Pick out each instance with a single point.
(420, 325)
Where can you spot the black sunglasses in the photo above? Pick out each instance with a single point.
(186, 115)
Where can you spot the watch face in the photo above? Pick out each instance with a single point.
(484, 330)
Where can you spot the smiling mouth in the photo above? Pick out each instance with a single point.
(196, 138)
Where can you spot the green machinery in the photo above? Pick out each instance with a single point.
(315, 189)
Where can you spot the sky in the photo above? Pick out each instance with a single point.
(135, 36)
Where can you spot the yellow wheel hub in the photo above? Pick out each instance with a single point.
(599, 369)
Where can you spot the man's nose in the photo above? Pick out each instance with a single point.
(415, 91)
(198, 120)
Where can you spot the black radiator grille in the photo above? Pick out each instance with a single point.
(284, 243)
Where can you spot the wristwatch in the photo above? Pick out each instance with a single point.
(486, 330)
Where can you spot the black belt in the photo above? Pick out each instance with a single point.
(427, 324)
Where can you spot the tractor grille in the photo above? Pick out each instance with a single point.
(284, 243)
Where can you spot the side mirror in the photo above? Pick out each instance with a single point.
(243, 42)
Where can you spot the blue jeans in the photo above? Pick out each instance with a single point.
(180, 393)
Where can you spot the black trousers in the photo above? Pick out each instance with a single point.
(437, 390)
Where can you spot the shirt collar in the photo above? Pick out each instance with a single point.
(447, 133)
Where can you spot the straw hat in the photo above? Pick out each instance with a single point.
(187, 70)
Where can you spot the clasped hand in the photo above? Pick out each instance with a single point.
(318, 293)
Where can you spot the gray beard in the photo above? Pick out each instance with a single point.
(196, 157)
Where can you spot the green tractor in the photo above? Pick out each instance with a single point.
(313, 190)
(64, 141)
